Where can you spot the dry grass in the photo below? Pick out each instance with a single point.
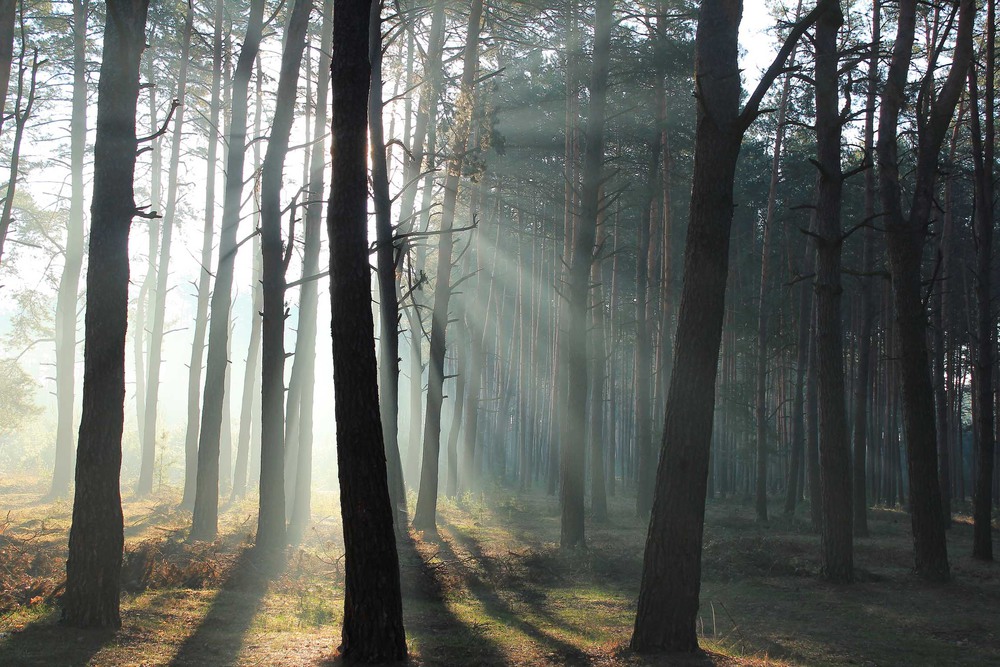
(493, 588)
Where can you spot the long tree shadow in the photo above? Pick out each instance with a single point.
(441, 637)
(219, 637)
(45, 642)
(500, 609)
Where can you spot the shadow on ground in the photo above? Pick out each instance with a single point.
(220, 636)
(439, 636)
(46, 642)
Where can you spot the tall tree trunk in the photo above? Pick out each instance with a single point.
(144, 300)
(862, 383)
(425, 515)
(69, 283)
(834, 439)
(985, 338)
(271, 522)
(671, 579)
(373, 613)
(204, 274)
(97, 533)
(905, 241)
(598, 361)
(760, 407)
(305, 342)
(574, 352)
(145, 485)
(387, 264)
(643, 357)
(206, 506)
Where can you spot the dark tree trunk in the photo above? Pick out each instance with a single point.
(834, 438)
(671, 578)
(906, 233)
(8, 16)
(985, 338)
(862, 382)
(97, 533)
(802, 360)
(206, 506)
(373, 610)
(69, 283)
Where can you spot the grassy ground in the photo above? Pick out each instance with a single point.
(494, 589)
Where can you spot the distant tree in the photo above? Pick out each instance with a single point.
(984, 151)
(373, 611)
(425, 514)
(97, 532)
(69, 282)
(574, 361)
(271, 521)
(204, 273)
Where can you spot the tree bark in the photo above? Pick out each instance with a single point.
(373, 614)
(671, 579)
(97, 532)
(834, 439)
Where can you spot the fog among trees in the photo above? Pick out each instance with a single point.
(498, 333)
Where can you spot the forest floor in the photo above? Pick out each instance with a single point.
(493, 588)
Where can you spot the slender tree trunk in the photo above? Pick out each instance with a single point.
(204, 275)
(97, 532)
(146, 469)
(574, 352)
(69, 283)
(373, 611)
(271, 524)
(425, 515)
(598, 357)
(905, 241)
(985, 338)
(305, 343)
(760, 408)
(643, 360)
(866, 306)
(25, 94)
(387, 263)
(206, 507)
